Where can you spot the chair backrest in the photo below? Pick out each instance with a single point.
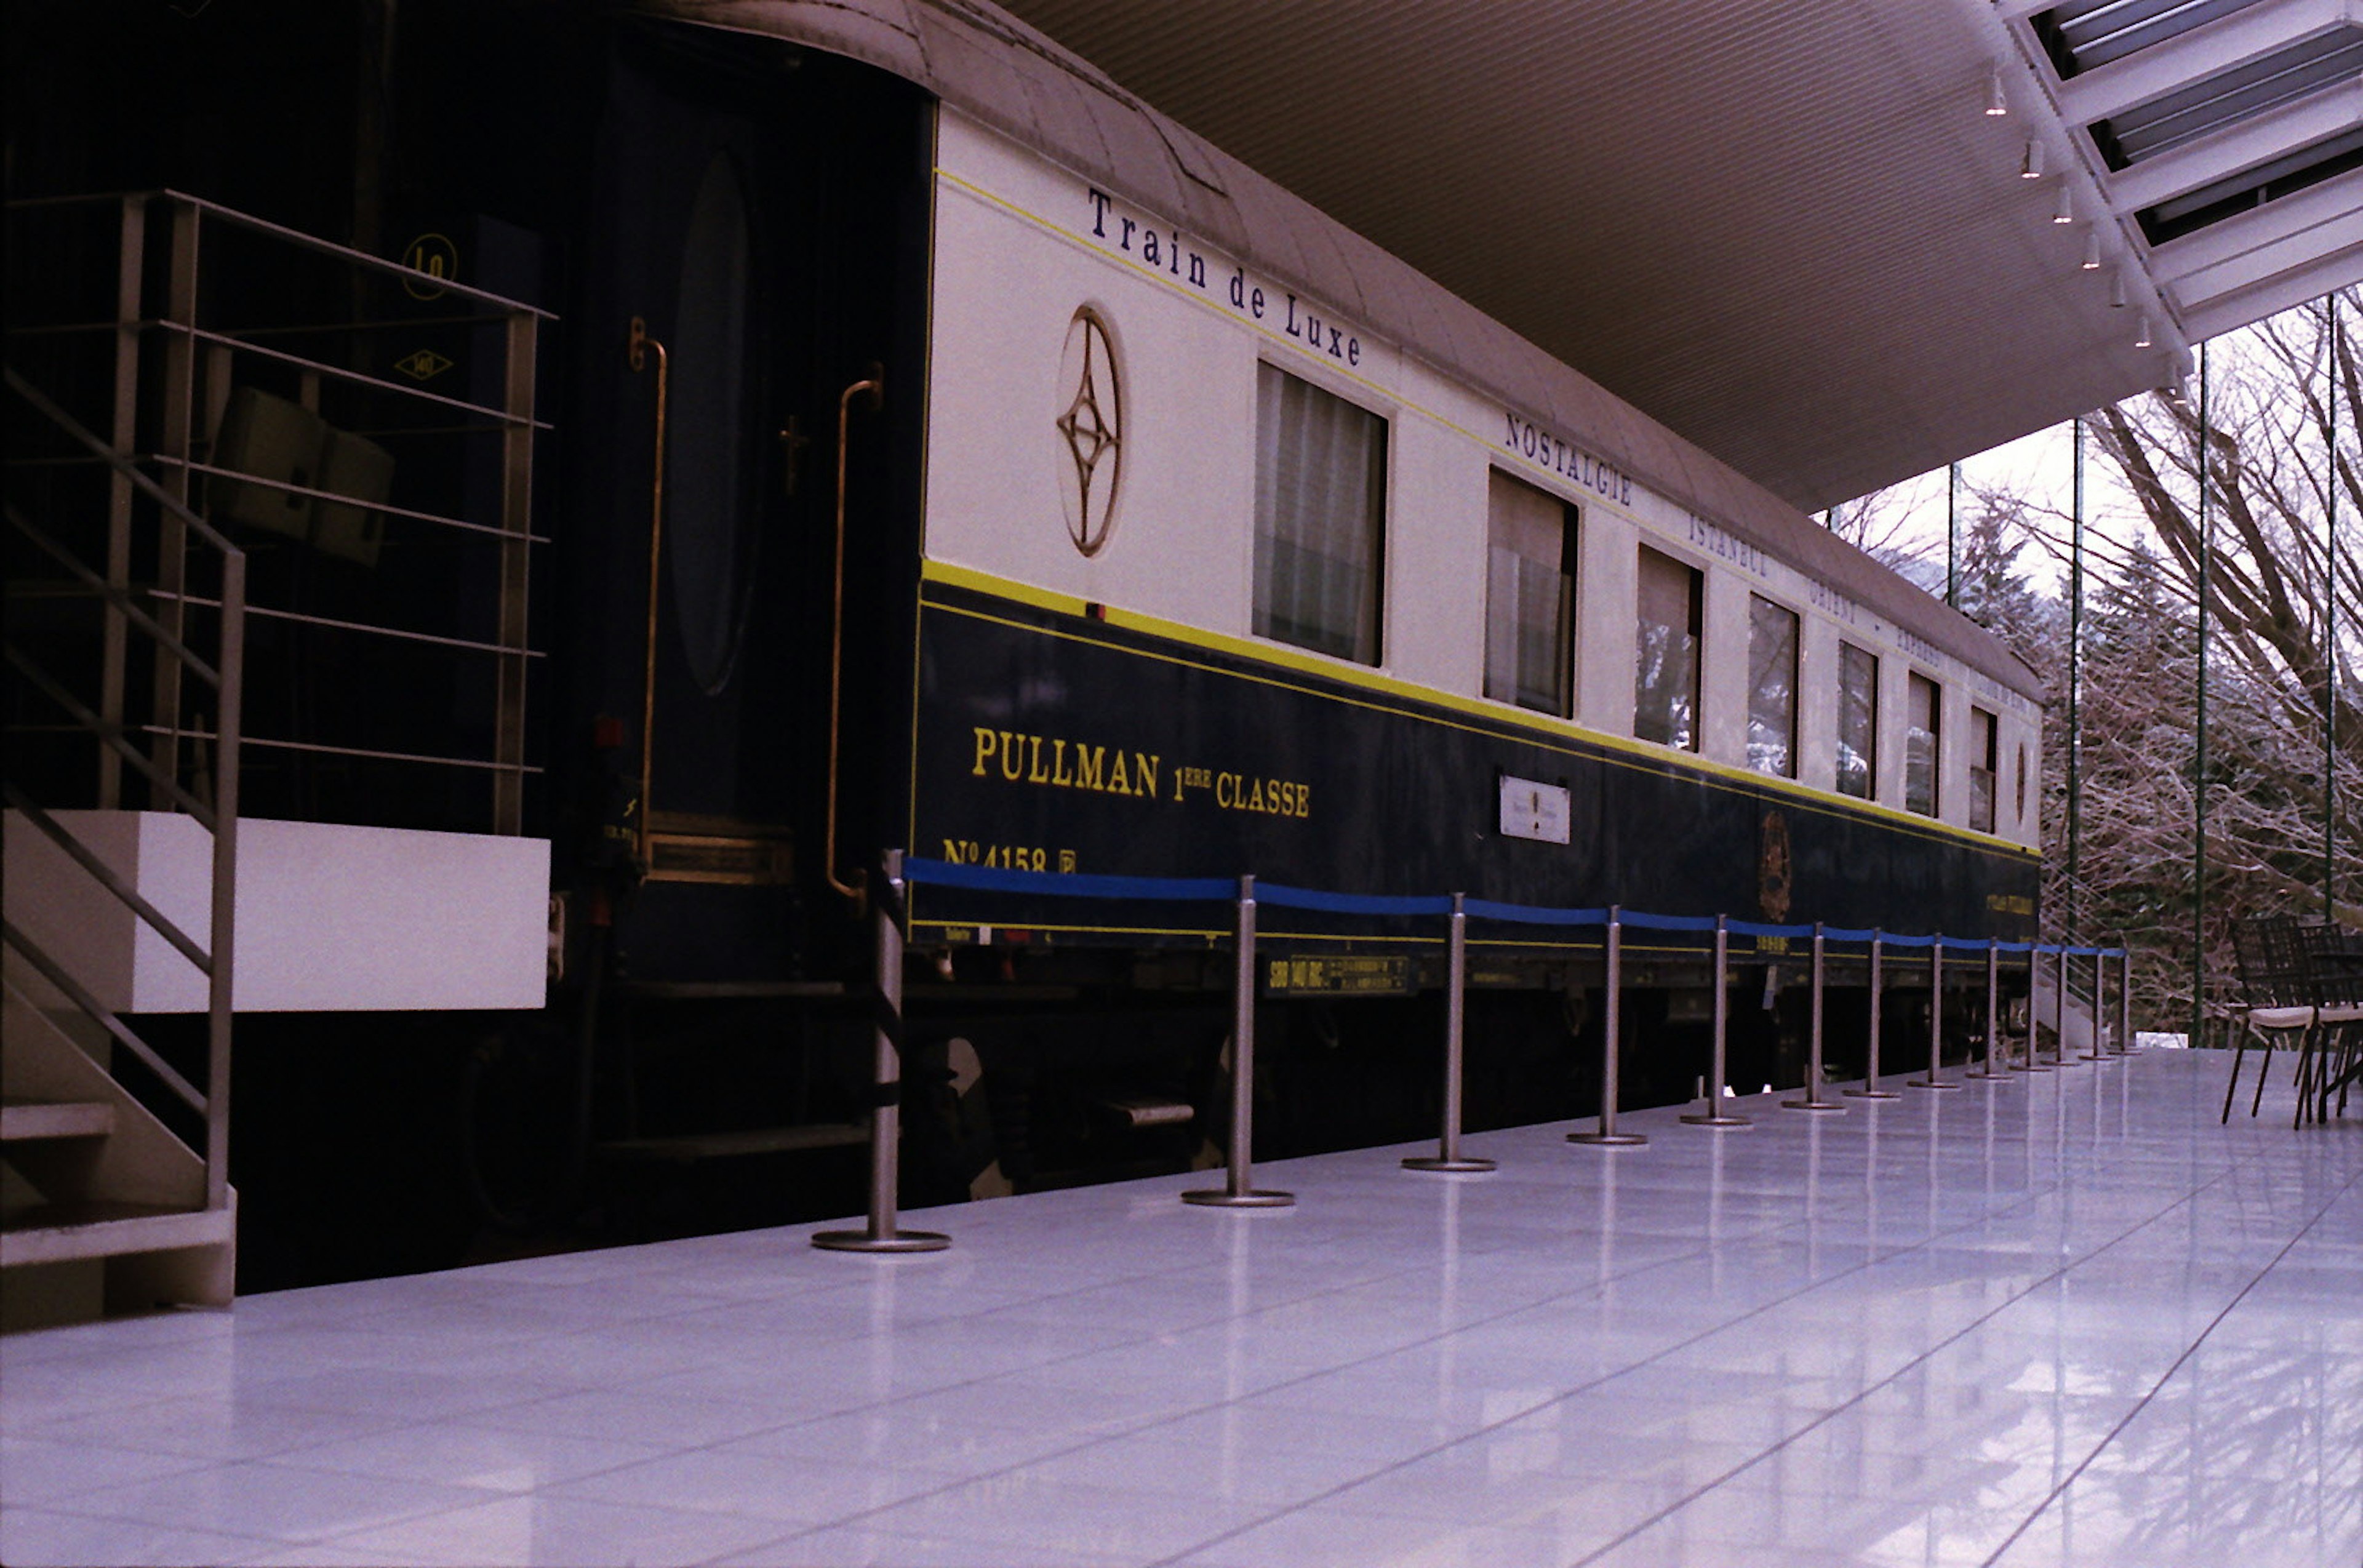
(2334, 965)
(2272, 962)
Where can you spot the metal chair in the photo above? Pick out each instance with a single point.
(2333, 971)
(2278, 1000)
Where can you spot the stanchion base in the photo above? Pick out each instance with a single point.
(1811, 1105)
(894, 1242)
(1930, 1084)
(1223, 1197)
(1980, 1075)
(1869, 1094)
(1463, 1165)
(1608, 1140)
(2092, 1056)
(2030, 1067)
(1710, 1120)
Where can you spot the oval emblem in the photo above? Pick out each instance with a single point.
(1090, 431)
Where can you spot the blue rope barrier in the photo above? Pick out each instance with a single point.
(1760, 929)
(1530, 915)
(1076, 885)
(1288, 897)
(1644, 921)
(1222, 890)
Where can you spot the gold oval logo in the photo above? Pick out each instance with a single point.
(1091, 430)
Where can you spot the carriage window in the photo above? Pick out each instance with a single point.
(1666, 656)
(1321, 496)
(1857, 721)
(1529, 596)
(1771, 687)
(2021, 783)
(709, 518)
(1985, 767)
(1923, 703)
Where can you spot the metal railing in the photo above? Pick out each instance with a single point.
(1245, 893)
(229, 343)
(216, 811)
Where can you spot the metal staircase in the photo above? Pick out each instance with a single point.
(105, 1206)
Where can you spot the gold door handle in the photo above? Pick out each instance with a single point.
(873, 390)
(636, 347)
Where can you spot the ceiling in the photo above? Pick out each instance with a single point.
(1795, 233)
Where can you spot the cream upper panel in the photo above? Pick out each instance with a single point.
(1021, 245)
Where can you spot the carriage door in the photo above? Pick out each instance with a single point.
(705, 602)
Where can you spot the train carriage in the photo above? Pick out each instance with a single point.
(948, 452)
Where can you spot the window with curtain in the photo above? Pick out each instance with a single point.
(1985, 765)
(1771, 687)
(1857, 721)
(1923, 703)
(1529, 596)
(1668, 601)
(1320, 518)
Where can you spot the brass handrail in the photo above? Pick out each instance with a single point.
(874, 386)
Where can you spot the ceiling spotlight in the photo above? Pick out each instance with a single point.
(2030, 167)
(2141, 338)
(2065, 211)
(2092, 250)
(1996, 104)
(2117, 291)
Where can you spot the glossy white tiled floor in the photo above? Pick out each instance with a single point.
(2064, 1319)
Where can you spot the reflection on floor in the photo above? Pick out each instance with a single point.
(2060, 1320)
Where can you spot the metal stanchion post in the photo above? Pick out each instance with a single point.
(2033, 1063)
(1611, 1038)
(2059, 1056)
(1716, 1115)
(1935, 1078)
(2125, 997)
(1447, 1156)
(1812, 1100)
(2097, 1047)
(1993, 1014)
(1871, 1089)
(886, 1100)
(1238, 1189)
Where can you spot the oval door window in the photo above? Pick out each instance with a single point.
(707, 489)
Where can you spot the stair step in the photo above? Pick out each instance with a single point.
(21, 1121)
(691, 1146)
(57, 1233)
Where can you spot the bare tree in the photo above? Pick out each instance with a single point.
(2284, 648)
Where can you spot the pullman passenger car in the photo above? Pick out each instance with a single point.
(1028, 484)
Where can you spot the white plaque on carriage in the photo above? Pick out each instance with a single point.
(1533, 810)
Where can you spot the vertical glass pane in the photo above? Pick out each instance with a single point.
(1921, 708)
(1529, 597)
(1771, 687)
(1320, 509)
(1666, 653)
(1858, 721)
(708, 527)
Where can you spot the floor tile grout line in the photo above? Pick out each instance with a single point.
(1901, 1250)
(1765, 1231)
(1596, 1383)
(2167, 1376)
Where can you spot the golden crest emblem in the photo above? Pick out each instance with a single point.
(1092, 428)
(1772, 868)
